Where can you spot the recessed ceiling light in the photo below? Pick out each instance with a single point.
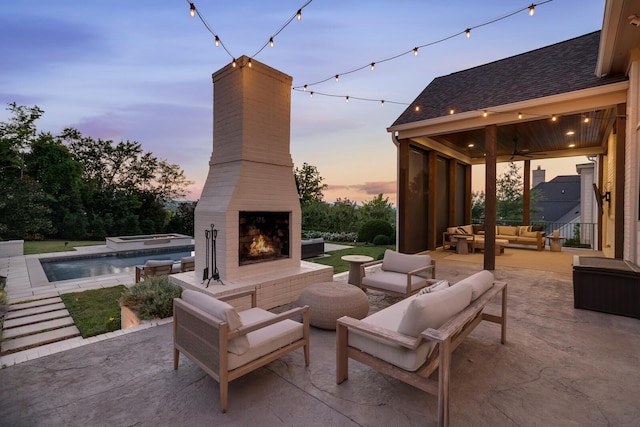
(572, 145)
(471, 145)
(569, 133)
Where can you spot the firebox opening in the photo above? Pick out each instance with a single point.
(263, 236)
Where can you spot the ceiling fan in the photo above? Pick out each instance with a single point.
(522, 153)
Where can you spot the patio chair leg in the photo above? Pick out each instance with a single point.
(224, 395)
(176, 358)
(342, 362)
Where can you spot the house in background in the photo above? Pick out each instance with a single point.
(577, 97)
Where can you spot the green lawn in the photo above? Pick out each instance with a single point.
(339, 266)
(45, 246)
(95, 311)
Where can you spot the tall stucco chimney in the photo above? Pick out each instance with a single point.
(538, 177)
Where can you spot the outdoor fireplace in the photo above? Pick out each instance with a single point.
(262, 236)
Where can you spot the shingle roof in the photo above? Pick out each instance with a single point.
(560, 195)
(560, 68)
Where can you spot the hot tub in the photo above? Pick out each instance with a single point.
(147, 241)
(606, 284)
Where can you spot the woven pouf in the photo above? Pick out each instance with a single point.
(329, 301)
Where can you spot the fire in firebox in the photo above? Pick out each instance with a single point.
(263, 236)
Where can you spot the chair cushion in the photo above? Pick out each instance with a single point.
(158, 262)
(507, 230)
(191, 258)
(432, 310)
(223, 311)
(523, 229)
(392, 281)
(403, 263)
(265, 340)
(479, 282)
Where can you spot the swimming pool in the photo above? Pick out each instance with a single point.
(65, 268)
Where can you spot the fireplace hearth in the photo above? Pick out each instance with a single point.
(263, 236)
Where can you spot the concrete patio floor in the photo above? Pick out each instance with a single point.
(560, 367)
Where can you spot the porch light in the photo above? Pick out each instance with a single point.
(532, 9)
(192, 10)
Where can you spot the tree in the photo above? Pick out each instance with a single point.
(377, 208)
(509, 194)
(309, 184)
(15, 138)
(343, 216)
(477, 205)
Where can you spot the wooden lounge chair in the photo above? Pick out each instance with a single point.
(227, 344)
(153, 268)
(400, 274)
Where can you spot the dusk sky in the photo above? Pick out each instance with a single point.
(141, 70)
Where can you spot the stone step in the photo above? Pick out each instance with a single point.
(35, 340)
(15, 314)
(36, 303)
(37, 327)
(21, 321)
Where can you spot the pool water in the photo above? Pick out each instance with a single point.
(57, 269)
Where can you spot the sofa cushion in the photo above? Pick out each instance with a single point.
(392, 281)
(479, 282)
(478, 228)
(389, 318)
(529, 234)
(437, 286)
(432, 310)
(404, 263)
(507, 230)
(220, 310)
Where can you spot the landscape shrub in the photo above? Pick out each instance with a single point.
(381, 240)
(374, 228)
(151, 298)
(330, 236)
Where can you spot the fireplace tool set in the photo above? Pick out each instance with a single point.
(210, 248)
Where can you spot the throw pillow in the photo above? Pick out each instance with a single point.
(523, 229)
(461, 230)
(432, 310)
(438, 286)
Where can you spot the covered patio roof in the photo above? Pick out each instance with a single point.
(546, 103)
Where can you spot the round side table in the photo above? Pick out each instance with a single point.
(329, 301)
(354, 267)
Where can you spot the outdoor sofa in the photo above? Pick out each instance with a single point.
(409, 340)
(518, 235)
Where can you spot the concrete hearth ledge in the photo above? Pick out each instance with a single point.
(273, 290)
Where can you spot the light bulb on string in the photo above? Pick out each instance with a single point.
(415, 51)
(519, 115)
(299, 14)
(373, 65)
(337, 78)
(311, 94)
(347, 99)
(249, 63)
(484, 113)
(532, 9)
(417, 108)
(382, 103)
(468, 32)
(451, 111)
(217, 41)
(192, 10)
(304, 89)
(234, 63)
(271, 42)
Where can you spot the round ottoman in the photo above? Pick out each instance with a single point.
(329, 301)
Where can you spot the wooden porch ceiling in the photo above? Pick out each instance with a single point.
(535, 138)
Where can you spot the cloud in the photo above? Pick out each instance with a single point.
(361, 193)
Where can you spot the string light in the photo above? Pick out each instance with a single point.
(484, 113)
(249, 63)
(554, 118)
(451, 111)
(519, 115)
(373, 65)
(350, 97)
(415, 50)
(337, 78)
(192, 10)
(311, 94)
(299, 14)
(532, 9)
(234, 63)
(305, 88)
(347, 98)
(217, 41)
(271, 42)
(382, 103)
